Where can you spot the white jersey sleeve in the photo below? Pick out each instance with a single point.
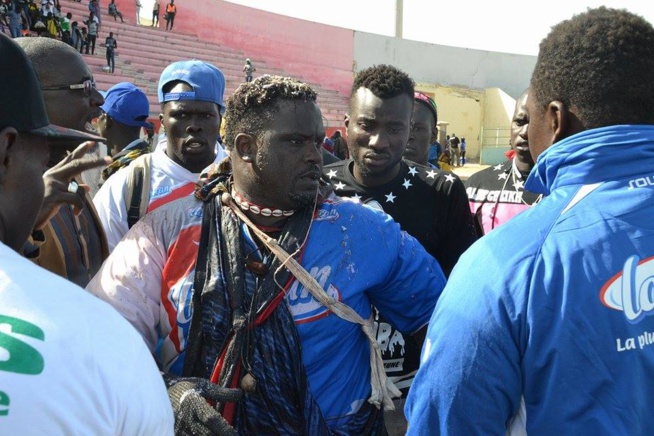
(130, 279)
(109, 202)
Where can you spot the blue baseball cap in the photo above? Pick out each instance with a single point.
(207, 81)
(127, 104)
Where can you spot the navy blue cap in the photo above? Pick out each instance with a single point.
(127, 104)
(207, 81)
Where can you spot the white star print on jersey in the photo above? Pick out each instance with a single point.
(407, 184)
(431, 174)
(331, 174)
(449, 178)
(502, 176)
(390, 198)
(339, 185)
(498, 167)
(413, 171)
(356, 198)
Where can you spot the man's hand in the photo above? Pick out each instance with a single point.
(57, 179)
(193, 414)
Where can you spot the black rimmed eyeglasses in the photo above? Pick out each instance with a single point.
(87, 86)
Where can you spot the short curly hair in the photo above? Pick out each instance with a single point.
(254, 104)
(385, 81)
(600, 62)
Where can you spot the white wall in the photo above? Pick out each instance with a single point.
(444, 65)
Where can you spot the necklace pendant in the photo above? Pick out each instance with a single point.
(248, 383)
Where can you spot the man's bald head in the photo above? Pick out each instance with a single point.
(59, 66)
(46, 54)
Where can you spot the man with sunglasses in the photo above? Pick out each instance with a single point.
(68, 238)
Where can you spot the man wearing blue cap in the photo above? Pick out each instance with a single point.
(124, 113)
(64, 352)
(191, 97)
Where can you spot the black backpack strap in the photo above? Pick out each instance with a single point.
(134, 211)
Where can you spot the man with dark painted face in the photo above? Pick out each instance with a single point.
(191, 97)
(65, 354)
(207, 282)
(68, 238)
(497, 193)
(429, 204)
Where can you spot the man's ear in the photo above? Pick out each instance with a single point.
(561, 120)
(246, 147)
(346, 120)
(8, 138)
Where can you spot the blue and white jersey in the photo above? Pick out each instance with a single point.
(545, 323)
(359, 255)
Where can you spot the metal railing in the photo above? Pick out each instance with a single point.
(494, 142)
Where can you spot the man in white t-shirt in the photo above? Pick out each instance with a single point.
(69, 363)
(191, 97)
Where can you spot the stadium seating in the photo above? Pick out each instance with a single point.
(143, 52)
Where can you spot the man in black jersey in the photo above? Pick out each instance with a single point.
(429, 204)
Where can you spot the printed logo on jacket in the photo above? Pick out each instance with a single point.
(304, 307)
(631, 291)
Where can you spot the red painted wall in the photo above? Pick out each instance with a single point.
(319, 53)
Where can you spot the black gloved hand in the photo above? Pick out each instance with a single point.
(193, 415)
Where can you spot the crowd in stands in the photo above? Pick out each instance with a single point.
(243, 273)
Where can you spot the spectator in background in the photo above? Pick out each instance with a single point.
(23, 9)
(423, 129)
(171, 11)
(124, 113)
(435, 151)
(13, 18)
(463, 151)
(111, 44)
(3, 16)
(113, 11)
(149, 130)
(497, 194)
(155, 14)
(137, 3)
(456, 152)
(47, 8)
(445, 158)
(328, 145)
(52, 25)
(64, 25)
(93, 24)
(248, 69)
(75, 35)
(94, 8)
(84, 41)
(34, 13)
(340, 146)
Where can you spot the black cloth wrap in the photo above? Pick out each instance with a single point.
(224, 310)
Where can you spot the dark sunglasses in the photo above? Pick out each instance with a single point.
(87, 86)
